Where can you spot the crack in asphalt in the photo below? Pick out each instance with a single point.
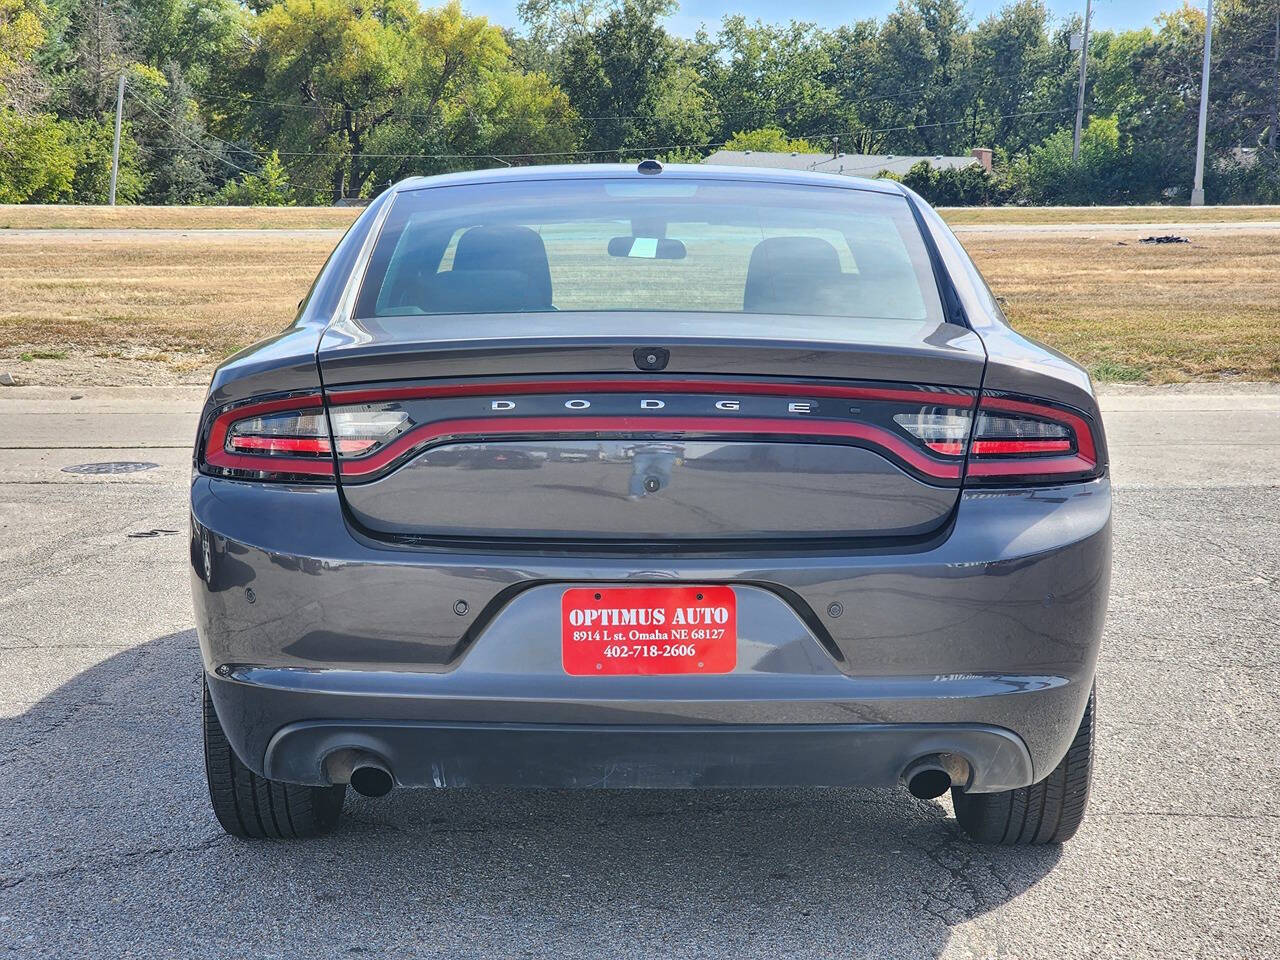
(206, 843)
(958, 860)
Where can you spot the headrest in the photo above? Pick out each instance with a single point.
(517, 249)
(793, 275)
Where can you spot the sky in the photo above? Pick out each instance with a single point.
(1107, 14)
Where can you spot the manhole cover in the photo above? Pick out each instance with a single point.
(111, 466)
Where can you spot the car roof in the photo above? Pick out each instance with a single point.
(671, 171)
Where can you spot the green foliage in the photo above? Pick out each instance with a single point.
(91, 142)
(21, 34)
(344, 96)
(36, 162)
(1048, 175)
(969, 186)
(681, 155)
(773, 75)
(269, 187)
(389, 91)
(769, 140)
(1252, 181)
(622, 72)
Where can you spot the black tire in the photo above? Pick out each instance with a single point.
(1050, 811)
(254, 807)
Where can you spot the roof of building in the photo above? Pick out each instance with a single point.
(844, 164)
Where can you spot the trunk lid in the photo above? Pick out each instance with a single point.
(547, 427)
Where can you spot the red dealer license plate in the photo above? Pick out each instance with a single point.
(648, 630)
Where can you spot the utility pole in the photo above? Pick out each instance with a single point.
(115, 148)
(1197, 190)
(1084, 68)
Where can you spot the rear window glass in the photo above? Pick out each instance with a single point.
(650, 246)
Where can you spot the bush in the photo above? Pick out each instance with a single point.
(1234, 182)
(970, 186)
(1108, 170)
(269, 187)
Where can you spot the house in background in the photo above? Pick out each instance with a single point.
(846, 164)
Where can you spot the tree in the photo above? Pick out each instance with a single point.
(1101, 174)
(91, 140)
(353, 96)
(89, 54)
(465, 103)
(768, 140)
(624, 75)
(36, 162)
(21, 35)
(326, 98)
(1020, 73)
(1246, 91)
(777, 76)
(269, 187)
(924, 58)
(184, 37)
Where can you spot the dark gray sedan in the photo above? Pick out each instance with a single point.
(633, 476)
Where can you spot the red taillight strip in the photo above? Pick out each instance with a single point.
(747, 387)
(1084, 461)
(999, 448)
(1079, 426)
(485, 428)
(215, 453)
(317, 445)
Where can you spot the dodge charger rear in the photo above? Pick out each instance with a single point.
(644, 477)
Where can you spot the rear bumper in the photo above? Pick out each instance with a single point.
(981, 643)
(637, 756)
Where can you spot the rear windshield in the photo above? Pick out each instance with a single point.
(652, 246)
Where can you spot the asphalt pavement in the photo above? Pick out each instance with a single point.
(108, 848)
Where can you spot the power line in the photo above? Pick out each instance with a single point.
(648, 148)
(941, 123)
(195, 143)
(217, 156)
(366, 107)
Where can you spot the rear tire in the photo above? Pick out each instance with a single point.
(1046, 812)
(254, 807)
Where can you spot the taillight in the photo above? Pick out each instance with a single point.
(939, 435)
(943, 430)
(364, 428)
(289, 434)
(289, 438)
(1013, 440)
(1019, 440)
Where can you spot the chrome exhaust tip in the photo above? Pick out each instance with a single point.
(366, 773)
(930, 777)
(371, 778)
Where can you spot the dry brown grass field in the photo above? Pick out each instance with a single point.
(145, 308)
(34, 216)
(965, 216)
